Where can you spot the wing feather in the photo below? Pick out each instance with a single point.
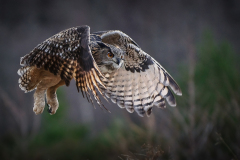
(68, 55)
(141, 82)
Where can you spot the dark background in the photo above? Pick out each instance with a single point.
(197, 42)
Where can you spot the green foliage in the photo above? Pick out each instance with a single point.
(217, 86)
(216, 76)
(76, 142)
(216, 109)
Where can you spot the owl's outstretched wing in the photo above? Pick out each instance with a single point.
(68, 54)
(141, 82)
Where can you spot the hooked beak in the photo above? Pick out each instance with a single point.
(119, 61)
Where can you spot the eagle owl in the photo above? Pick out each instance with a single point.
(106, 63)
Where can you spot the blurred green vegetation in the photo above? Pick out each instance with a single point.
(209, 128)
(213, 123)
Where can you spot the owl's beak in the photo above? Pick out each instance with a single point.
(118, 61)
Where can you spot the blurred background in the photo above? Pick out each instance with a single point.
(197, 42)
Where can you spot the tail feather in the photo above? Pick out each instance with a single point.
(27, 81)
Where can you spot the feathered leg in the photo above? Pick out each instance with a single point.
(39, 101)
(52, 100)
(47, 80)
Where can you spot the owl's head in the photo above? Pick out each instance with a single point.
(108, 57)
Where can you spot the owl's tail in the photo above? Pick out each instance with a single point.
(28, 81)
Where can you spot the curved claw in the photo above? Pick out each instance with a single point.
(49, 109)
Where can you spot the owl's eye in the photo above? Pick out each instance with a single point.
(110, 55)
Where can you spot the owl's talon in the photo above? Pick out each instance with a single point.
(52, 105)
(49, 109)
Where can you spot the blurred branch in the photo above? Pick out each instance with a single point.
(132, 125)
(191, 89)
(148, 152)
(18, 115)
(191, 85)
(226, 145)
(151, 126)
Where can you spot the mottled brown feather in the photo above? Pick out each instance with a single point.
(67, 54)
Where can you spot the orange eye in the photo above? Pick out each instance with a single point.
(110, 55)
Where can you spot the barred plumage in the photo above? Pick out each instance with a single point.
(108, 62)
